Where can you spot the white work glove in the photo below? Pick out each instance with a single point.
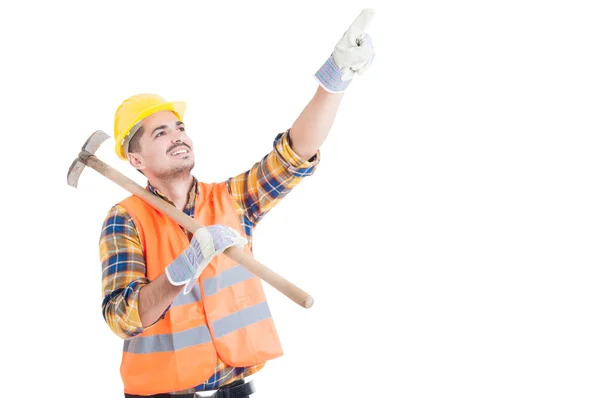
(352, 55)
(206, 243)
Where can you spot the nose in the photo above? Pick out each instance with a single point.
(176, 137)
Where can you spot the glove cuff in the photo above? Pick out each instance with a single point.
(181, 270)
(329, 77)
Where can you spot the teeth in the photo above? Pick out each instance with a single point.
(178, 152)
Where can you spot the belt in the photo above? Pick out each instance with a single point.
(237, 389)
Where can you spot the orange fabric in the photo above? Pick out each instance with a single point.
(163, 240)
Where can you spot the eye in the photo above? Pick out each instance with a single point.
(181, 128)
(159, 134)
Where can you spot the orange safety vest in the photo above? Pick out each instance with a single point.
(225, 314)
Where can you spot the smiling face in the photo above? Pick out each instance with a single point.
(161, 148)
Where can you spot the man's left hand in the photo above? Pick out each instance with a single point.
(352, 55)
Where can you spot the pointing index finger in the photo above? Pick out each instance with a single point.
(363, 20)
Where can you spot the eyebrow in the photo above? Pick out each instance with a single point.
(164, 126)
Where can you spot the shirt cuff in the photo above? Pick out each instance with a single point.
(291, 160)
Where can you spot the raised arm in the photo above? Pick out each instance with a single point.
(311, 128)
(296, 151)
(352, 55)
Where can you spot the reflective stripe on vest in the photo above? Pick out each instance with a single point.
(198, 335)
(168, 342)
(212, 285)
(241, 319)
(227, 278)
(201, 334)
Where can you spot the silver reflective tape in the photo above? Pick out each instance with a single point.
(167, 342)
(241, 319)
(225, 279)
(192, 297)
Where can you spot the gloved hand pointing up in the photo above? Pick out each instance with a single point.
(352, 55)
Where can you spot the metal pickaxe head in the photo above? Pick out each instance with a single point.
(89, 148)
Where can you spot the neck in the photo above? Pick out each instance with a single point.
(175, 189)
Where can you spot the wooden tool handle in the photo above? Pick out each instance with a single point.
(293, 292)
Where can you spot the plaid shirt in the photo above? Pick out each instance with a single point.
(254, 193)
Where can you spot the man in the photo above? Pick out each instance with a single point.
(192, 319)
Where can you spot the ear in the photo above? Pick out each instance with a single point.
(136, 160)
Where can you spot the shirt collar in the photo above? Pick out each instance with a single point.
(191, 195)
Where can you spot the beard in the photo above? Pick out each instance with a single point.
(176, 172)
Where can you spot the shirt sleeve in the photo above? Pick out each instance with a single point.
(123, 273)
(259, 189)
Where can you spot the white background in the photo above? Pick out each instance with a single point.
(450, 234)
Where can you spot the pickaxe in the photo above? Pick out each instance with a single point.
(87, 158)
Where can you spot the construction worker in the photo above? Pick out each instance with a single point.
(192, 319)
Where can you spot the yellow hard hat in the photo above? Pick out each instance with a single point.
(135, 109)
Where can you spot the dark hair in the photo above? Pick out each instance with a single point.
(134, 143)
